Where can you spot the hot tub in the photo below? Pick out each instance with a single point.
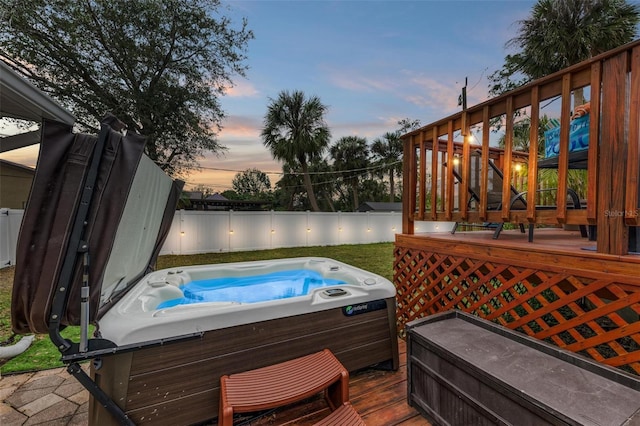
(163, 339)
(236, 317)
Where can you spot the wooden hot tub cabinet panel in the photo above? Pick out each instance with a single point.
(178, 383)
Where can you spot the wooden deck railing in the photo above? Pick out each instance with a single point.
(613, 81)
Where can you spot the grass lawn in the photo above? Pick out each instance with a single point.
(376, 258)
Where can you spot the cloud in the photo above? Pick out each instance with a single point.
(241, 135)
(218, 172)
(242, 88)
(365, 129)
(407, 86)
(237, 126)
(428, 92)
(348, 82)
(358, 82)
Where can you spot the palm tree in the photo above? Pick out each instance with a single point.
(292, 192)
(350, 156)
(560, 33)
(521, 132)
(387, 151)
(295, 132)
(324, 185)
(289, 187)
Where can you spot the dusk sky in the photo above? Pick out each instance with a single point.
(372, 63)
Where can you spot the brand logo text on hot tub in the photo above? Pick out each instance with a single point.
(362, 308)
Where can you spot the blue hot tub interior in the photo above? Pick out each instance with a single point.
(251, 289)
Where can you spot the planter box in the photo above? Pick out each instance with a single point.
(466, 370)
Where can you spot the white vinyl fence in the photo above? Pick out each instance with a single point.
(195, 232)
(206, 232)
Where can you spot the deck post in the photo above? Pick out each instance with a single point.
(613, 234)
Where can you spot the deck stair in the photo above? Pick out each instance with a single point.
(288, 382)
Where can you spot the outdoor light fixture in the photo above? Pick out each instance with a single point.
(182, 233)
(308, 229)
(472, 139)
(231, 231)
(273, 231)
(456, 160)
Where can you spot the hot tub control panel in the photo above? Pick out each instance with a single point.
(335, 292)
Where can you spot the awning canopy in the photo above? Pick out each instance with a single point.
(21, 99)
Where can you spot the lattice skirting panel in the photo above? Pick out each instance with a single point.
(579, 311)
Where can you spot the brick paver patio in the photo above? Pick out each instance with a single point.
(49, 397)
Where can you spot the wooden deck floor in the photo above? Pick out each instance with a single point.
(379, 396)
(550, 241)
(543, 239)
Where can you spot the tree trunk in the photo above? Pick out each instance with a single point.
(392, 195)
(309, 187)
(291, 199)
(578, 97)
(356, 204)
(330, 202)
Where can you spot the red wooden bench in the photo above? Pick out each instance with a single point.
(284, 383)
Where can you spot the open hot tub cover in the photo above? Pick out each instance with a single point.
(131, 208)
